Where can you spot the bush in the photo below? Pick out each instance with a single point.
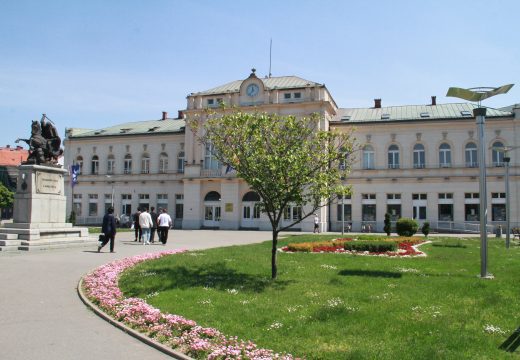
(72, 218)
(426, 228)
(388, 227)
(373, 247)
(406, 227)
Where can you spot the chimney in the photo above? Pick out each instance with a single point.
(377, 103)
(180, 115)
(164, 115)
(434, 100)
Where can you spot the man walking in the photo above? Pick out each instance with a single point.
(154, 216)
(145, 222)
(137, 228)
(165, 222)
(109, 229)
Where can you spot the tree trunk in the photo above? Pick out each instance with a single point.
(274, 269)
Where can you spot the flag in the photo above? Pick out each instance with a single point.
(74, 172)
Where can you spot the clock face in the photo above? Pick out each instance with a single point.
(252, 90)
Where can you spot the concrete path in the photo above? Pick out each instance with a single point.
(42, 317)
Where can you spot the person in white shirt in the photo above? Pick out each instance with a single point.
(164, 222)
(146, 223)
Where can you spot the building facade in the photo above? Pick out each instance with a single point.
(416, 161)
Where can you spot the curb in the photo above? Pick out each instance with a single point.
(139, 336)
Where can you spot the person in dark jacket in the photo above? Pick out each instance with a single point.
(109, 229)
(154, 216)
(137, 227)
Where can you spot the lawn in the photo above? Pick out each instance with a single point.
(339, 306)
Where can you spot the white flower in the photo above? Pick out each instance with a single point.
(334, 302)
(151, 295)
(275, 325)
(232, 291)
(407, 270)
(330, 267)
(205, 302)
(491, 329)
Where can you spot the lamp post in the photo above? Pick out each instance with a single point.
(477, 95)
(342, 214)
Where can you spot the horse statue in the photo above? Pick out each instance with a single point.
(44, 143)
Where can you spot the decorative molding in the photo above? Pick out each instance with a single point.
(79, 150)
(110, 149)
(145, 147)
(94, 149)
(127, 148)
(392, 136)
(418, 136)
(444, 135)
(471, 133)
(163, 146)
(369, 138)
(497, 132)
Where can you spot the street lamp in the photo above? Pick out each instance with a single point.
(477, 95)
(507, 160)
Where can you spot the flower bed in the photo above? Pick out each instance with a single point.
(101, 287)
(407, 246)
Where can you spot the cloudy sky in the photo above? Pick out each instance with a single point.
(97, 63)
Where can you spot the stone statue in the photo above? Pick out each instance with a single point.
(44, 143)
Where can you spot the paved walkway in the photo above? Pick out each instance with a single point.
(42, 317)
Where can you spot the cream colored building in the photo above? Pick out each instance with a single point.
(414, 161)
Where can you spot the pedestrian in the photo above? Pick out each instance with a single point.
(137, 228)
(164, 221)
(108, 229)
(145, 222)
(316, 223)
(154, 216)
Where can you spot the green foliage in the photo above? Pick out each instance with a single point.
(334, 306)
(425, 228)
(72, 217)
(287, 160)
(375, 247)
(6, 197)
(406, 227)
(388, 227)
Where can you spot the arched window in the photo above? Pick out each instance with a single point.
(418, 156)
(210, 161)
(393, 157)
(79, 161)
(127, 169)
(471, 155)
(498, 153)
(251, 196)
(145, 164)
(111, 164)
(180, 162)
(445, 155)
(368, 157)
(94, 165)
(212, 196)
(163, 163)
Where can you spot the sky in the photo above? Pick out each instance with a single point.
(98, 63)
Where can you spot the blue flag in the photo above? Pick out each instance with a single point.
(74, 172)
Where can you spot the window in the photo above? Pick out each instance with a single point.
(347, 212)
(445, 212)
(126, 204)
(445, 155)
(108, 201)
(211, 102)
(445, 195)
(419, 196)
(94, 169)
(498, 153)
(418, 156)
(163, 163)
(498, 195)
(162, 201)
(287, 95)
(368, 157)
(179, 206)
(180, 162)
(472, 212)
(368, 212)
(111, 163)
(145, 164)
(368, 196)
(144, 201)
(92, 204)
(471, 155)
(393, 196)
(297, 95)
(77, 204)
(394, 210)
(127, 169)
(471, 195)
(210, 161)
(393, 157)
(498, 212)
(79, 161)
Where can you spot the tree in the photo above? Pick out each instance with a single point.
(426, 228)
(287, 160)
(388, 226)
(6, 197)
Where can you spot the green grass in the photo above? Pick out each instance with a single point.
(337, 306)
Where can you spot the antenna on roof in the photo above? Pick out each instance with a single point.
(270, 51)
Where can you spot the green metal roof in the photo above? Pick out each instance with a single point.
(132, 128)
(281, 82)
(413, 112)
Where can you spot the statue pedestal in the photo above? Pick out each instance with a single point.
(39, 213)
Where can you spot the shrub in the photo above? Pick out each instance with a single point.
(406, 227)
(373, 247)
(72, 217)
(426, 228)
(388, 227)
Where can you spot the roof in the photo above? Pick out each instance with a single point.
(166, 126)
(281, 82)
(13, 156)
(413, 112)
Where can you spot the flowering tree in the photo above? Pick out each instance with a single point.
(287, 160)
